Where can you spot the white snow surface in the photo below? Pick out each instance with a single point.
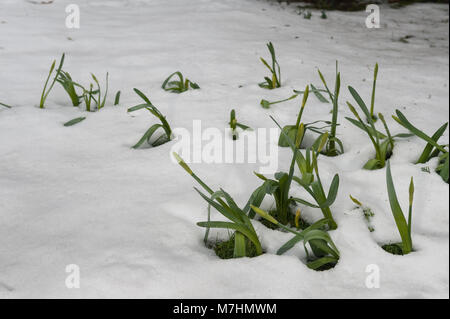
(80, 195)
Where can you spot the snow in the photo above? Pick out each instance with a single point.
(80, 195)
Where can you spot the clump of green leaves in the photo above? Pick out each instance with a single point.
(274, 81)
(291, 130)
(309, 180)
(266, 104)
(334, 145)
(383, 144)
(147, 137)
(367, 212)
(313, 185)
(239, 221)
(234, 124)
(92, 97)
(178, 86)
(280, 186)
(325, 254)
(432, 149)
(67, 83)
(403, 226)
(47, 89)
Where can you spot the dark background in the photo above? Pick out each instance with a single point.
(355, 4)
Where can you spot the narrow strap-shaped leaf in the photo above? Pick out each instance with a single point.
(137, 107)
(142, 95)
(424, 157)
(321, 262)
(75, 121)
(397, 212)
(147, 135)
(364, 127)
(239, 245)
(404, 122)
(5, 105)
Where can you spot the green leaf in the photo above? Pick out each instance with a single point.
(401, 119)
(117, 98)
(5, 105)
(319, 95)
(75, 121)
(397, 212)
(425, 156)
(240, 228)
(321, 262)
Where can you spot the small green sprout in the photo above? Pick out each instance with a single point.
(178, 86)
(334, 146)
(45, 91)
(372, 100)
(275, 80)
(164, 138)
(367, 212)
(234, 124)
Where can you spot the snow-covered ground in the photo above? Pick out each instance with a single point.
(80, 195)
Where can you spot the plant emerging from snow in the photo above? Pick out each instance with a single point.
(239, 222)
(266, 104)
(274, 81)
(372, 100)
(165, 137)
(404, 227)
(325, 252)
(334, 146)
(432, 149)
(234, 124)
(383, 144)
(47, 89)
(178, 86)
